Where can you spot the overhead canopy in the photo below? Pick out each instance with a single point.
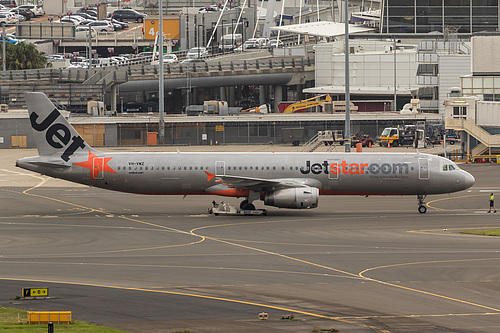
(322, 29)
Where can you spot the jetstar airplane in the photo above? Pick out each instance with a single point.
(285, 180)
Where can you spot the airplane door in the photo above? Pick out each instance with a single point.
(423, 169)
(97, 167)
(333, 169)
(220, 169)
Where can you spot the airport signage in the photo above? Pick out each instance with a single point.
(219, 128)
(35, 292)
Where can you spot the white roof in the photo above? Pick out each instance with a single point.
(356, 90)
(322, 29)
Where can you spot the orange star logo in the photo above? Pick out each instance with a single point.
(95, 165)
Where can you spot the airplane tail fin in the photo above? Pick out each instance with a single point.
(54, 135)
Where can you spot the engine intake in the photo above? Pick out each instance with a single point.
(295, 198)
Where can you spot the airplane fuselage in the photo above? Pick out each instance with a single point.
(332, 173)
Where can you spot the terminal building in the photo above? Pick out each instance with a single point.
(424, 16)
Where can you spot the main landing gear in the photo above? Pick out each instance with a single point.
(421, 204)
(247, 203)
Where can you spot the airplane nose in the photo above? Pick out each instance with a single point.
(469, 180)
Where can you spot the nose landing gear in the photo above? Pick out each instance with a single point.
(421, 204)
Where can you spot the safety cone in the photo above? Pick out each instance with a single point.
(388, 144)
(369, 144)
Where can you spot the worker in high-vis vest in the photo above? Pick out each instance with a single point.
(492, 204)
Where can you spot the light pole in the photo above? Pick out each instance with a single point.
(347, 88)
(199, 37)
(4, 37)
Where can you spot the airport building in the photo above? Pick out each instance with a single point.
(424, 16)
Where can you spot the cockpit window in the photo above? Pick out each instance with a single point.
(449, 167)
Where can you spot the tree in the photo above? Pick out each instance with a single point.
(24, 56)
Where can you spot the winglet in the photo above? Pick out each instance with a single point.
(210, 176)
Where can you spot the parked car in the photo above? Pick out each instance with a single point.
(68, 19)
(101, 26)
(12, 17)
(86, 16)
(82, 31)
(117, 25)
(197, 52)
(86, 9)
(128, 15)
(37, 10)
(27, 13)
(4, 19)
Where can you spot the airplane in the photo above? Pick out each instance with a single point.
(285, 180)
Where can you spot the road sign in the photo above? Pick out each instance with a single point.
(35, 292)
(170, 27)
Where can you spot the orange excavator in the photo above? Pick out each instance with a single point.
(307, 103)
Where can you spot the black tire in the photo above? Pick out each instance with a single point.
(139, 20)
(422, 209)
(395, 144)
(243, 204)
(249, 206)
(452, 142)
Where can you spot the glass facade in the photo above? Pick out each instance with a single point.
(423, 16)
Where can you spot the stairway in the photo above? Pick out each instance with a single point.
(486, 139)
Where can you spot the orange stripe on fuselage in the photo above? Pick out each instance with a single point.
(231, 193)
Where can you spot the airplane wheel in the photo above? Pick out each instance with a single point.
(422, 209)
(243, 204)
(249, 206)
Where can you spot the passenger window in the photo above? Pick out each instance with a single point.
(445, 167)
(452, 167)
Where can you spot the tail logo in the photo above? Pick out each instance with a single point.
(96, 165)
(58, 135)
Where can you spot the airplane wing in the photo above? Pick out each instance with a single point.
(261, 184)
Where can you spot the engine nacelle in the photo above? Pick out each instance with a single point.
(295, 198)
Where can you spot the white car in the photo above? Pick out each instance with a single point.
(4, 19)
(167, 59)
(12, 17)
(38, 11)
(101, 26)
(275, 43)
(197, 52)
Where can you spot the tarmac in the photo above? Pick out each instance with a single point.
(162, 264)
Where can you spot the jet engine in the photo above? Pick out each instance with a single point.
(295, 198)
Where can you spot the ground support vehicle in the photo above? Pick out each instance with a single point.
(364, 139)
(224, 208)
(394, 136)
